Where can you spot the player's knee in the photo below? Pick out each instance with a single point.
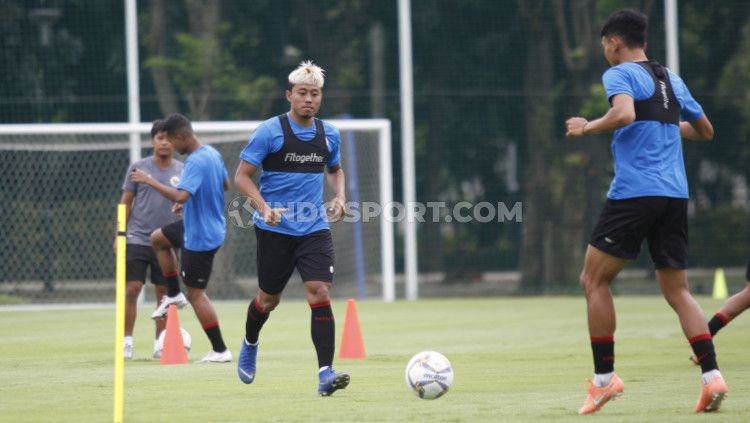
(583, 280)
(318, 293)
(159, 241)
(588, 282)
(132, 290)
(268, 303)
(194, 294)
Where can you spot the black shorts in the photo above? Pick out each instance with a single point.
(138, 258)
(278, 254)
(623, 224)
(175, 233)
(196, 267)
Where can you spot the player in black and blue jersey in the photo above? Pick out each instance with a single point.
(200, 234)
(651, 110)
(296, 152)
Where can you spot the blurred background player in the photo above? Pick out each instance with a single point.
(732, 308)
(291, 227)
(200, 234)
(147, 210)
(651, 108)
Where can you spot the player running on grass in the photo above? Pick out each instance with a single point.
(147, 210)
(651, 109)
(291, 228)
(201, 190)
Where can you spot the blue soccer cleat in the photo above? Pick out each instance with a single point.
(331, 381)
(246, 362)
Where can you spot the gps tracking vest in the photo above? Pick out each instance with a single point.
(663, 105)
(299, 156)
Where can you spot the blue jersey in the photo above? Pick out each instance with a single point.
(299, 192)
(203, 177)
(648, 154)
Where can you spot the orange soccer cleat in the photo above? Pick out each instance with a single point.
(712, 394)
(598, 396)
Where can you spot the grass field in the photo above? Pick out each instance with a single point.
(515, 359)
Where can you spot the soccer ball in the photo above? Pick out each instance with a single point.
(186, 339)
(429, 375)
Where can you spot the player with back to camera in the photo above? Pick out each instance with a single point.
(291, 227)
(200, 234)
(147, 210)
(651, 109)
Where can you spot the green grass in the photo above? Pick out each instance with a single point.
(515, 359)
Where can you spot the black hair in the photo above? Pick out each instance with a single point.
(629, 24)
(177, 124)
(156, 127)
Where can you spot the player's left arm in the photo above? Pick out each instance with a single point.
(335, 176)
(694, 123)
(622, 113)
(173, 194)
(697, 130)
(337, 182)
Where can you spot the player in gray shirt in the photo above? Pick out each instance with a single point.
(147, 210)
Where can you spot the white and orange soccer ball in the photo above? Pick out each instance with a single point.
(429, 375)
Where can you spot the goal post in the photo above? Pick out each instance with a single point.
(60, 177)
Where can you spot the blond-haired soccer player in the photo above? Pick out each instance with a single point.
(652, 109)
(296, 152)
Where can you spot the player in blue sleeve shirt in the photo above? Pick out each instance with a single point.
(296, 152)
(200, 234)
(651, 110)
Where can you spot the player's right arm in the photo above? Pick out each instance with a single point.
(622, 113)
(618, 86)
(259, 146)
(243, 179)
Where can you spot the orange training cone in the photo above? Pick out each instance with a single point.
(173, 351)
(352, 345)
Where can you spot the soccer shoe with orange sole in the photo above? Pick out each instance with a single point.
(598, 396)
(712, 394)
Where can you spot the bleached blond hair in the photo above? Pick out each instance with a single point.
(307, 73)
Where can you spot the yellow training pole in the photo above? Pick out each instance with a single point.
(120, 315)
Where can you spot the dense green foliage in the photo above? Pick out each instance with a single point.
(491, 78)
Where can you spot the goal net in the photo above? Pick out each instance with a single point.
(59, 186)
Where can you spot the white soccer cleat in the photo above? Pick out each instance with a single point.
(161, 312)
(217, 357)
(128, 351)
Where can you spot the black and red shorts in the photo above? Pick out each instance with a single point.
(279, 254)
(662, 221)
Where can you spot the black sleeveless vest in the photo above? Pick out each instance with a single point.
(299, 156)
(663, 105)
